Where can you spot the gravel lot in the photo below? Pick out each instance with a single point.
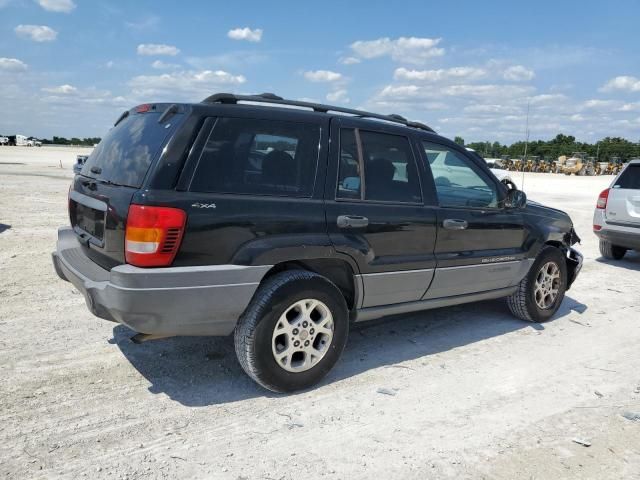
(470, 391)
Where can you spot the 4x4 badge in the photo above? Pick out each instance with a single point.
(203, 205)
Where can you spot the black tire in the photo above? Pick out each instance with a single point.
(522, 303)
(254, 333)
(611, 251)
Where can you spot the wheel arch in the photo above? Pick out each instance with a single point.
(338, 271)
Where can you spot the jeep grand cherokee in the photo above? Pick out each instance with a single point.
(282, 226)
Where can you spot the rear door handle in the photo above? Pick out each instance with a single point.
(455, 224)
(352, 221)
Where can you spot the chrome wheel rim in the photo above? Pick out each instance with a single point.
(302, 335)
(547, 285)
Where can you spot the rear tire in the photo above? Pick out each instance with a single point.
(541, 291)
(293, 331)
(611, 251)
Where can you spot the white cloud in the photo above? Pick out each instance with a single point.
(518, 73)
(37, 33)
(489, 91)
(160, 65)
(349, 60)
(183, 84)
(64, 6)
(493, 109)
(61, 90)
(12, 65)
(322, 76)
(149, 22)
(404, 49)
(600, 105)
(455, 73)
(245, 34)
(623, 83)
(156, 49)
(338, 96)
(630, 107)
(547, 99)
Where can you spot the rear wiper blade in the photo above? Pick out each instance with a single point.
(124, 115)
(168, 112)
(96, 170)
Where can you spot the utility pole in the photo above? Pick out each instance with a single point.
(526, 144)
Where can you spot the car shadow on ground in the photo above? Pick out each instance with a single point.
(4, 226)
(630, 261)
(201, 371)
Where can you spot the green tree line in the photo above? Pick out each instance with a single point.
(560, 145)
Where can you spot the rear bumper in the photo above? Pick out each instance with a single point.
(165, 301)
(618, 233)
(619, 238)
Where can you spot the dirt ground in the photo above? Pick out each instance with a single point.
(470, 391)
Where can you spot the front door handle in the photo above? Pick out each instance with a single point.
(455, 224)
(352, 221)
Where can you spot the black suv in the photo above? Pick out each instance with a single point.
(242, 215)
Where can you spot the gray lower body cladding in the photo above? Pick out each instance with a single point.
(164, 301)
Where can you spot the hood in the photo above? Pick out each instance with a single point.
(539, 209)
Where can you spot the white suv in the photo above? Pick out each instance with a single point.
(616, 220)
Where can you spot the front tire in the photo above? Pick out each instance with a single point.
(293, 331)
(541, 291)
(611, 251)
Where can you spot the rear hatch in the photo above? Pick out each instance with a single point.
(623, 204)
(101, 193)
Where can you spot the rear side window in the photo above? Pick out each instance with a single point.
(349, 181)
(630, 178)
(390, 173)
(389, 168)
(124, 155)
(263, 157)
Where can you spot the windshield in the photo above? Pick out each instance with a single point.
(126, 152)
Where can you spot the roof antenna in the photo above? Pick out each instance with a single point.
(526, 143)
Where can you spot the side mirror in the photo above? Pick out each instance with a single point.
(515, 199)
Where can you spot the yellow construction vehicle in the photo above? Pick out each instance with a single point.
(559, 164)
(576, 164)
(517, 164)
(602, 168)
(546, 165)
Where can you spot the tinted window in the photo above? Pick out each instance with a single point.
(459, 182)
(349, 166)
(389, 168)
(258, 157)
(630, 178)
(126, 152)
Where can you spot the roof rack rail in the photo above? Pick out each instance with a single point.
(230, 98)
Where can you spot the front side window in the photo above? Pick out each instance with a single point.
(459, 183)
(258, 157)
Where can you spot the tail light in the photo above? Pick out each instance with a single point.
(153, 235)
(602, 199)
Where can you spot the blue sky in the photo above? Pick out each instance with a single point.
(469, 68)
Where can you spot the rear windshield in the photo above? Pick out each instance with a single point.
(126, 152)
(630, 178)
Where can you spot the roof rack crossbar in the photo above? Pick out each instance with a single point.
(230, 98)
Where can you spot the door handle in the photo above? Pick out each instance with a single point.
(455, 224)
(352, 221)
